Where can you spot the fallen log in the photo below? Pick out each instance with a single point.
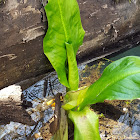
(108, 24)
(11, 108)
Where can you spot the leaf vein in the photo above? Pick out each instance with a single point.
(63, 24)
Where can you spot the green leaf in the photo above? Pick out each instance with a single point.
(71, 98)
(64, 30)
(119, 81)
(73, 76)
(86, 125)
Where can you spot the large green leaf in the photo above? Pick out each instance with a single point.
(86, 125)
(120, 80)
(64, 30)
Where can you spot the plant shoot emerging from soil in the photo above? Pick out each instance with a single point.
(119, 81)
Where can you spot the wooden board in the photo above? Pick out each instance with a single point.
(23, 24)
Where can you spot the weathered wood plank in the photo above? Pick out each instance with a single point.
(29, 62)
(108, 25)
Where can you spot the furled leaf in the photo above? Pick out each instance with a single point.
(119, 81)
(71, 98)
(73, 76)
(64, 30)
(86, 125)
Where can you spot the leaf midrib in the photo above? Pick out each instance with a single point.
(122, 77)
(62, 20)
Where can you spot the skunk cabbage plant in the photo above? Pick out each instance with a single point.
(119, 81)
